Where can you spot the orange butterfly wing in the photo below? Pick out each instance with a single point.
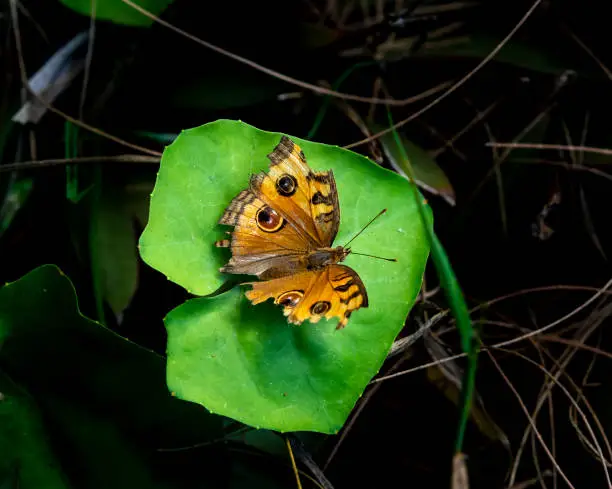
(285, 214)
(333, 291)
(263, 243)
(285, 217)
(308, 198)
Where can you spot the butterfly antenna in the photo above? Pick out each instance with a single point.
(364, 227)
(374, 256)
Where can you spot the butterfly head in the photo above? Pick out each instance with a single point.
(343, 252)
(338, 254)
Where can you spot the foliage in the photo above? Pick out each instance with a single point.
(85, 392)
(104, 397)
(246, 362)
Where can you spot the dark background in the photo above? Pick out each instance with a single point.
(153, 79)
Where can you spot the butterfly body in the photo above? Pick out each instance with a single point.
(325, 256)
(284, 227)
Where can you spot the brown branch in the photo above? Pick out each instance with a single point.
(25, 165)
(559, 147)
(51, 108)
(281, 76)
(454, 87)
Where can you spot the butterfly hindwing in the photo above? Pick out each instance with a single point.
(333, 291)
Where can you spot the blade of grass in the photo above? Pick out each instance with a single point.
(454, 296)
(71, 139)
(69, 152)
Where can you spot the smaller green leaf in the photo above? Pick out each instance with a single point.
(137, 197)
(114, 460)
(26, 458)
(119, 12)
(114, 245)
(84, 362)
(427, 173)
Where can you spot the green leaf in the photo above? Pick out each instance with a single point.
(119, 12)
(26, 458)
(114, 245)
(245, 361)
(114, 460)
(427, 173)
(80, 361)
(137, 196)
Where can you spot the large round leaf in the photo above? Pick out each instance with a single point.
(245, 361)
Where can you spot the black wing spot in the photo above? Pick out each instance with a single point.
(325, 217)
(345, 287)
(318, 177)
(351, 297)
(319, 198)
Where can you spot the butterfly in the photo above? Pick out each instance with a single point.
(284, 225)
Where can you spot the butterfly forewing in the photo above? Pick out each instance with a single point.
(309, 199)
(262, 242)
(284, 215)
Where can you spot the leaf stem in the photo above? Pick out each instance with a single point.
(448, 280)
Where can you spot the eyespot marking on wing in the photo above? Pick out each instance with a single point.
(290, 299)
(286, 185)
(269, 220)
(319, 308)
